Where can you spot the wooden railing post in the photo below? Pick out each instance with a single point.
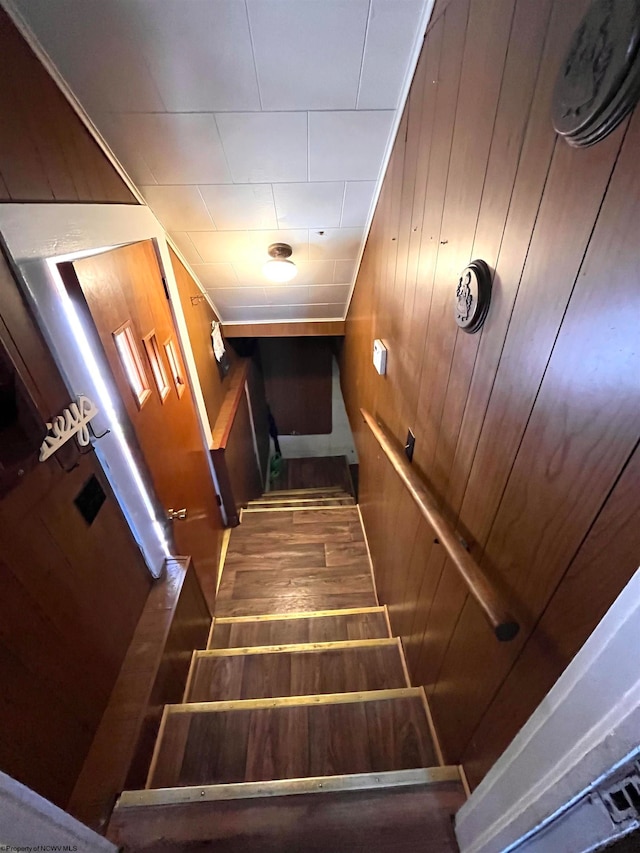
(504, 626)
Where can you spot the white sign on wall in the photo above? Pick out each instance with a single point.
(74, 420)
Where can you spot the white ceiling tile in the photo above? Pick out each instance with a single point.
(185, 245)
(357, 201)
(237, 207)
(179, 148)
(308, 55)
(215, 275)
(229, 298)
(390, 40)
(268, 313)
(348, 146)
(94, 48)
(309, 205)
(125, 144)
(309, 272)
(247, 247)
(178, 208)
(338, 243)
(317, 312)
(329, 293)
(315, 272)
(287, 295)
(199, 54)
(344, 272)
(265, 147)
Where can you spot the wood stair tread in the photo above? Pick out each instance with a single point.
(302, 669)
(300, 503)
(315, 627)
(279, 494)
(208, 743)
(397, 818)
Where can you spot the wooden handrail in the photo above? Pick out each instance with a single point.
(230, 404)
(494, 608)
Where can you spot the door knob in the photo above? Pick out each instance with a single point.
(176, 514)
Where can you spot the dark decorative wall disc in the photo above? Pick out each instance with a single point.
(473, 295)
(599, 82)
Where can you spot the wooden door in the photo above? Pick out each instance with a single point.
(125, 295)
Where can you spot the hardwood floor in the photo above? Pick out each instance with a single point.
(295, 561)
(290, 739)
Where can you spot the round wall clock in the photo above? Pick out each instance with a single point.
(599, 82)
(472, 297)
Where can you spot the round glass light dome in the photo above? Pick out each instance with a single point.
(280, 268)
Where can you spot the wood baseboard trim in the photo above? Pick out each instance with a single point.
(192, 667)
(156, 748)
(373, 574)
(464, 780)
(303, 614)
(294, 701)
(287, 787)
(403, 660)
(432, 728)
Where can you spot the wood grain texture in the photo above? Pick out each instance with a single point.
(46, 152)
(320, 328)
(125, 284)
(198, 318)
(391, 821)
(288, 742)
(310, 629)
(277, 569)
(296, 673)
(311, 472)
(154, 671)
(522, 430)
(297, 375)
(79, 589)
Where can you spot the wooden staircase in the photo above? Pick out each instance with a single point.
(298, 729)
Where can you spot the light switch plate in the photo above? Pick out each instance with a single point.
(380, 357)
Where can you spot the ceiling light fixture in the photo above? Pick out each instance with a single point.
(280, 268)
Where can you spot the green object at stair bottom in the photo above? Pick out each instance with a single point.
(275, 467)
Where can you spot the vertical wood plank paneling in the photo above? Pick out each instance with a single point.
(509, 429)
(586, 409)
(613, 542)
(199, 318)
(46, 153)
(72, 593)
(488, 30)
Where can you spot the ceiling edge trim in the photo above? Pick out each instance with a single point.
(404, 97)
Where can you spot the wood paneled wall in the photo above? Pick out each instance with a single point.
(298, 377)
(71, 593)
(46, 153)
(527, 431)
(199, 317)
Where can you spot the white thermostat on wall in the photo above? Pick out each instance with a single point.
(380, 357)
